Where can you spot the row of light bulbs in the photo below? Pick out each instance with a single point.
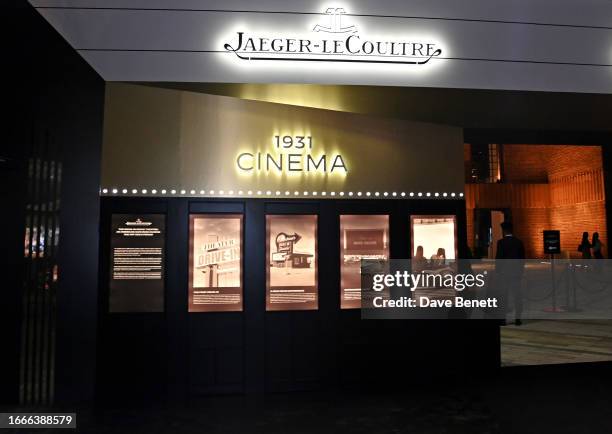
(277, 193)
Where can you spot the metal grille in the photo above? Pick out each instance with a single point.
(41, 241)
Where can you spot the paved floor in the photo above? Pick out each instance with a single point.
(540, 342)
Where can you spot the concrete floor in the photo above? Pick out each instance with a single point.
(542, 342)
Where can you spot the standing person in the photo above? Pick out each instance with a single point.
(585, 247)
(596, 245)
(509, 267)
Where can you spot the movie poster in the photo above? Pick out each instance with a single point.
(291, 262)
(137, 263)
(215, 262)
(362, 237)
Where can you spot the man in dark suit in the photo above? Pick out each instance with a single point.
(510, 268)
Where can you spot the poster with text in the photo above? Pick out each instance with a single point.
(215, 262)
(291, 262)
(362, 237)
(137, 263)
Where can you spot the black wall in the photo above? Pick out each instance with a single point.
(54, 96)
(181, 355)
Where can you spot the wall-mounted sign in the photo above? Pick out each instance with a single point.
(552, 242)
(189, 144)
(334, 39)
(137, 263)
(292, 154)
(215, 262)
(362, 237)
(291, 262)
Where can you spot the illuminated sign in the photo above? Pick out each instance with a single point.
(332, 42)
(293, 161)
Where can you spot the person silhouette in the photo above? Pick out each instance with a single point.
(439, 259)
(509, 266)
(596, 246)
(585, 246)
(419, 263)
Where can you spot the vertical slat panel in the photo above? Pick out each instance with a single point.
(41, 241)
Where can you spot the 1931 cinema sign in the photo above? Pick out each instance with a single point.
(298, 159)
(342, 44)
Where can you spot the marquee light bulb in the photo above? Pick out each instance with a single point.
(192, 191)
(403, 194)
(114, 191)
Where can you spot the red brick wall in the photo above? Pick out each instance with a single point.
(547, 187)
(525, 163)
(528, 226)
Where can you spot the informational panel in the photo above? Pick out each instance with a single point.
(291, 262)
(361, 237)
(552, 242)
(434, 241)
(137, 263)
(215, 262)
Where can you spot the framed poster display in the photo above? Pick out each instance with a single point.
(434, 241)
(291, 262)
(215, 263)
(361, 237)
(138, 244)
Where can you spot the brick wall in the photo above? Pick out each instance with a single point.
(525, 163)
(547, 187)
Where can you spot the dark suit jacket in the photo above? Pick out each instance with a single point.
(510, 247)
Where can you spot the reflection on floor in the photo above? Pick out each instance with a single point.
(540, 342)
